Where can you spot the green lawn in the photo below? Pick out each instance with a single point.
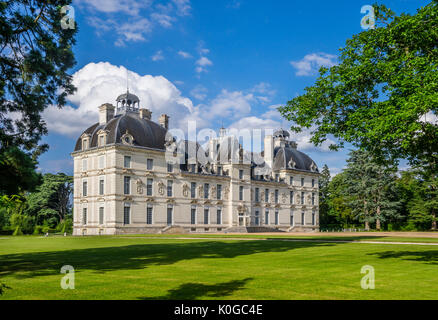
(146, 268)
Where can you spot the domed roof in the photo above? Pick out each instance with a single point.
(144, 133)
(128, 97)
(281, 134)
(291, 158)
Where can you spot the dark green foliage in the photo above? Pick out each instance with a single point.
(35, 55)
(51, 202)
(17, 171)
(378, 94)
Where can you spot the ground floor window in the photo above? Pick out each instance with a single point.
(169, 216)
(149, 212)
(193, 216)
(101, 213)
(206, 214)
(219, 216)
(302, 218)
(257, 218)
(292, 218)
(276, 218)
(84, 216)
(127, 215)
(313, 218)
(267, 217)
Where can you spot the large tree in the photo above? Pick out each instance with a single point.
(51, 201)
(372, 188)
(35, 56)
(378, 95)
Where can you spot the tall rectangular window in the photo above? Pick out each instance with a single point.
(206, 190)
(302, 197)
(149, 164)
(219, 192)
(257, 218)
(313, 218)
(127, 162)
(84, 216)
(84, 165)
(240, 174)
(127, 185)
(241, 193)
(84, 188)
(206, 216)
(302, 182)
(127, 215)
(149, 187)
(101, 186)
(219, 171)
(169, 167)
(291, 181)
(302, 218)
(193, 168)
(193, 190)
(276, 196)
(101, 213)
(276, 217)
(313, 198)
(292, 222)
(193, 216)
(169, 188)
(219, 216)
(313, 183)
(266, 195)
(291, 197)
(267, 217)
(256, 195)
(277, 177)
(169, 216)
(149, 212)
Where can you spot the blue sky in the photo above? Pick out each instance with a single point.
(227, 62)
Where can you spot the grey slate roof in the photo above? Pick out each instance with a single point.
(282, 156)
(146, 133)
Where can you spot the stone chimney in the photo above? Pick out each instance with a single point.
(269, 150)
(106, 113)
(164, 121)
(145, 114)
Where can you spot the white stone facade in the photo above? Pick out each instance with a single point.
(116, 193)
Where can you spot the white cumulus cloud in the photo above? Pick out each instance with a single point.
(311, 63)
(99, 83)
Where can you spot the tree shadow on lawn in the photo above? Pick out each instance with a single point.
(322, 238)
(138, 256)
(428, 257)
(193, 291)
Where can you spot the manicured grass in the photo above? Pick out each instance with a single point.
(146, 268)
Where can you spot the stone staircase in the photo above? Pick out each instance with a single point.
(173, 230)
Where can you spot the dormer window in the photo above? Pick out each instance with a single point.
(85, 141)
(102, 138)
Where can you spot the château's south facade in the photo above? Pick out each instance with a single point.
(125, 183)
